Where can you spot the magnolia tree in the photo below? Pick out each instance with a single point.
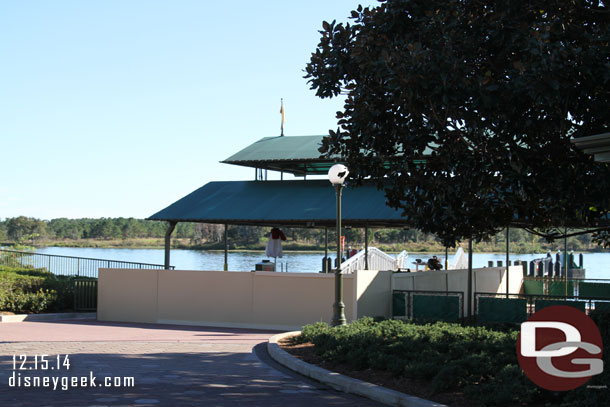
(463, 111)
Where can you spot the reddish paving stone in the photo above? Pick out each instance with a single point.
(171, 366)
(91, 330)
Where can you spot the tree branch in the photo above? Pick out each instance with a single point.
(553, 236)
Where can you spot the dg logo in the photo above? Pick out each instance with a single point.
(559, 348)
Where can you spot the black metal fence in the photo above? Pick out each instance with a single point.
(85, 295)
(67, 265)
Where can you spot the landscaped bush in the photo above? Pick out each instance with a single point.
(597, 390)
(480, 361)
(28, 302)
(34, 290)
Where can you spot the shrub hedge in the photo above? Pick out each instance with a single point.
(34, 290)
(597, 390)
(479, 361)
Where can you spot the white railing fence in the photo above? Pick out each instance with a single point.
(378, 260)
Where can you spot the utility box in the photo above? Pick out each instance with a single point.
(264, 265)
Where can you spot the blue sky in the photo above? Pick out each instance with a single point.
(119, 108)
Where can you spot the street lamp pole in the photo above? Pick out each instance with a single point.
(336, 175)
(339, 306)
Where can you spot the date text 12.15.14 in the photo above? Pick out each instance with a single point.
(41, 362)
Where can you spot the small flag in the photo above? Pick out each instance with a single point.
(283, 117)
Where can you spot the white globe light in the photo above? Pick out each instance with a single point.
(337, 174)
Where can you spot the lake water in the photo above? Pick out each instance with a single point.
(596, 264)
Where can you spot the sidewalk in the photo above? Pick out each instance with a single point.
(170, 365)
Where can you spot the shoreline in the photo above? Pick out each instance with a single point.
(184, 244)
(302, 251)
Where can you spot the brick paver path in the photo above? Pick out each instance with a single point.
(171, 366)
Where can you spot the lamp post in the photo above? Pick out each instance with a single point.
(336, 175)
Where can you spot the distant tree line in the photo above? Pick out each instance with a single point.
(16, 229)
(33, 231)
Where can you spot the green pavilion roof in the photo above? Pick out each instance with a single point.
(303, 203)
(283, 203)
(597, 145)
(298, 155)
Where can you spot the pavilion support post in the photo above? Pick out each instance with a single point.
(469, 289)
(446, 257)
(325, 268)
(366, 247)
(565, 260)
(226, 265)
(507, 259)
(168, 240)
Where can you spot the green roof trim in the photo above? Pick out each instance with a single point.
(297, 155)
(283, 203)
(597, 145)
(281, 148)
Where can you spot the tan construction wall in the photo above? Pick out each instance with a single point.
(127, 297)
(205, 297)
(373, 288)
(271, 300)
(219, 298)
(300, 297)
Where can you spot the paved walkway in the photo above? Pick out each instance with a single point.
(170, 365)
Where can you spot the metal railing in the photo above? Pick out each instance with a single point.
(561, 286)
(68, 265)
(377, 260)
(534, 302)
(85, 295)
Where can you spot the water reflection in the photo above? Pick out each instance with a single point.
(596, 264)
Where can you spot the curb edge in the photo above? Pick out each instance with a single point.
(340, 382)
(47, 317)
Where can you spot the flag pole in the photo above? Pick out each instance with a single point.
(282, 113)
